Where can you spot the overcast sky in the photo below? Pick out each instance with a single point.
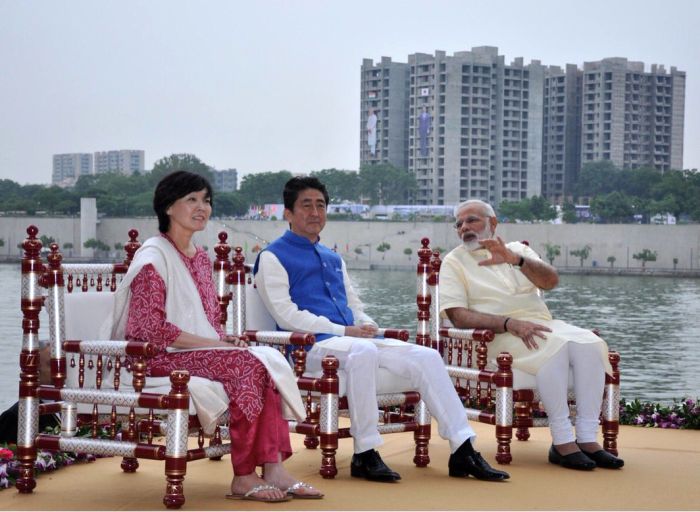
(272, 85)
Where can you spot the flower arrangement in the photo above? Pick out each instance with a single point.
(46, 460)
(684, 413)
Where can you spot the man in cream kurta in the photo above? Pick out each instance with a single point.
(487, 283)
(305, 287)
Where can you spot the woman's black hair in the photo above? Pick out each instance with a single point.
(171, 188)
(298, 184)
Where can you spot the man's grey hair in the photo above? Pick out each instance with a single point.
(486, 208)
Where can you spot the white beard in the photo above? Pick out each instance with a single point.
(473, 244)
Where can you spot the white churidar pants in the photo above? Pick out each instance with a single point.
(589, 381)
(422, 366)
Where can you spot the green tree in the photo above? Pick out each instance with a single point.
(229, 204)
(542, 209)
(597, 178)
(644, 256)
(582, 253)
(179, 162)
(528, 209)
(264, 187)
(569, 213)
(68, 246)
(552, 252)
(408, 251)
(611, 260)
(98, 245)
(614, 207)
(342, 185)
(46, 241)
(515, 210)
(675, 262)
(386, 184)
(383, 247)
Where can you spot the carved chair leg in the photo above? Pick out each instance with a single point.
(216, 441)
(523, 412)
(176, 439)
(130, 464)
(26, 446)
(504, 436)
(611, 405)
(422, 435)
(175, 476)
(311, 442)
(329, 447)
(328, 417)
(28, 420)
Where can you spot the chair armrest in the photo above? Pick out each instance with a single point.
(484, 335)
(399, 334)
(111, 348)
(281, 337)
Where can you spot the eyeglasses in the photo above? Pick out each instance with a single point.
(469, 221)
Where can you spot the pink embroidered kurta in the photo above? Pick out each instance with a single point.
(246, 381)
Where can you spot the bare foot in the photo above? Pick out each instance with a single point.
(241, 484)
(275, 474)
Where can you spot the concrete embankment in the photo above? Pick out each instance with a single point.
(677, 247)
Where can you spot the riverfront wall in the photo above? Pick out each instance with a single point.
(619, 240)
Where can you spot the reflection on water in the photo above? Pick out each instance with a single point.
(653, 322)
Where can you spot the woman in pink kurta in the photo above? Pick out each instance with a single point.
(259, 433)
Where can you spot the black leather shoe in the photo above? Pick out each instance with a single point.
(465, 461)
(370, 465)
(604, 459)
(576, 460)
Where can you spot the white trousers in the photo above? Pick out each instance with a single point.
(589, 382)
(422, 366)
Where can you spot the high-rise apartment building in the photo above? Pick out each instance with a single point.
(561, 141)
(632, 117)
(384, 112)
(225, 180)
(124, 161)
(472, 126)
(68, 167)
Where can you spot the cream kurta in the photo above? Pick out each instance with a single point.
(504, 290)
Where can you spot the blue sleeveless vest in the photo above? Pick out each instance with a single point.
(315, 278)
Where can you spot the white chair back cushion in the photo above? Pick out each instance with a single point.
(257, 317)
(85, 312)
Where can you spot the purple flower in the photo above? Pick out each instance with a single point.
(3, 470)
(4, 483)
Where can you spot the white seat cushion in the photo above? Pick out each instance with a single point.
(386, 382)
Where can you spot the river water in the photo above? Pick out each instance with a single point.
(653, 322)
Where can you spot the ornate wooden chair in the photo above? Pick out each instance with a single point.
(400, 409)
(102, 385)
(494, 392)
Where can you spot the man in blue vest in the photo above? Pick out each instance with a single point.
(305, 287)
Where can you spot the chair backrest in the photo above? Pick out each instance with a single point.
(77, 297)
